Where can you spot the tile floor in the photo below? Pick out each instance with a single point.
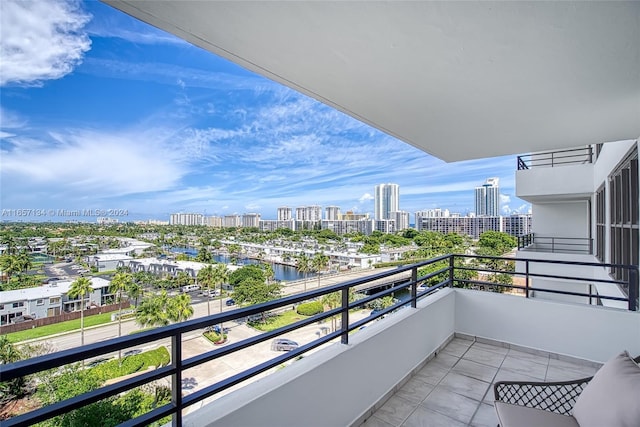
(455, 388)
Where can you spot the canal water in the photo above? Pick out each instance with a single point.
(285, 273)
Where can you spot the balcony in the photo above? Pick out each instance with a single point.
(352, 375)
(555, 176)
(553, 244)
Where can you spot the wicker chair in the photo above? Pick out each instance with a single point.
(558, 397)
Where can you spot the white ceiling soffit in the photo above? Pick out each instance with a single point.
(459, 80)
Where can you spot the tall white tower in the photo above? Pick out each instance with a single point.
(488, 198)
(387, 200)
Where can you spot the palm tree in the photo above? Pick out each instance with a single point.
(209, 277)
(160, 310)
(80, 288)
(120, 283)
(304, 267)
(319, 262)
(180, 308)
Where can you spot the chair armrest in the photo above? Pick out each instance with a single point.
(556, 397)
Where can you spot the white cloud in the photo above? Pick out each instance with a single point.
(365, 197)
(41, 40)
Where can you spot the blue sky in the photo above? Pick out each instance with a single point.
(101, 111)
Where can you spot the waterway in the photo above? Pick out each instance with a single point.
(285, 273)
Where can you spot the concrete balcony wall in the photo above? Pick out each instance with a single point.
(576, 330)
(561, 219)
(342, 384)
(545, 184)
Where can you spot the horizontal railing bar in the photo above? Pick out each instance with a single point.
(151, 416)
(579, 294)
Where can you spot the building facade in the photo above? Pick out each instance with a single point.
(488, 198)
(186, 219)
(386, 200)
(332, 213)
(284, 213)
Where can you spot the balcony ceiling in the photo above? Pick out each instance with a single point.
(459, 80)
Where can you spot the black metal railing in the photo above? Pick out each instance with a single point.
(447, 270)
(568, 245)
(556, 158)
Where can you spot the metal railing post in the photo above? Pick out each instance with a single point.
(590, 293)
(633, 289)
(526, 279)
(414, 285)
(344, 338)
(176, 379)
(451, 271)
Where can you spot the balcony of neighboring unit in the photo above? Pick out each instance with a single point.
(553, 244)
(429, 359)
(555, 175)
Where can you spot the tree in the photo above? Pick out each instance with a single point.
(256, 291)
(80, 288)
(211, 276)
(319, 263)
(304, 267)
(495, 243)
(245, 273)
(9, 354)
(234, 250)
(183, 279)
(120, 283)
(204, 256)
(160, 310)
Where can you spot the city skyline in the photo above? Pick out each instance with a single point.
(116, 116)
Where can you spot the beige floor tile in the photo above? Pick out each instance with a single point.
(453, 405)
(424, 417)
(486, 357)
(485, 417)
(464, 385)
(395, 410)
(475, 370)
(415, 390)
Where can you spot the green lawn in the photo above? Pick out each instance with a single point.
(56, 328)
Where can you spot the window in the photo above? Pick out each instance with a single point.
(18, 304)
(40, 302)
(1, 306)
(55, 300)
(600, 223)
(623, 186)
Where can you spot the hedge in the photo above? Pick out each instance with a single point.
(310, 308)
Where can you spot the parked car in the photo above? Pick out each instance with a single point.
(283, 344)
(189, 288)
(230, 301)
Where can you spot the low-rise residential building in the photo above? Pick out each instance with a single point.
(50, 300)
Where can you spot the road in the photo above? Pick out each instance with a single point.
(195, 344)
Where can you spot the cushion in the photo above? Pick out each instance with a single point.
(611, 397)
(523, 416)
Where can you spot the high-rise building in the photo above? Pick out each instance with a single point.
(284, 213)
(186, 219)
(251, 220)
(332, 213)
(401, 219)
(387, 200)
(488, 198)
(309, 213)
